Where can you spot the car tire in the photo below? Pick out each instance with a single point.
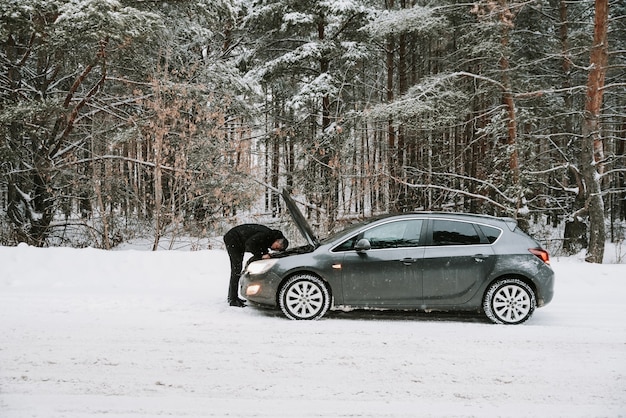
(509, 301)
(304, 296)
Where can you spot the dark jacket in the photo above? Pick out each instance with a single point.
(251, 238)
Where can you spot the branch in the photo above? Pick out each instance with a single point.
(28, 51)
(479, 77)
(612, 85)
(530, 94)
(549, 170)
(617, 170)
(79, 80)
(277, 191)
(127, 159)
(72, 118)
(449, 189)
(472, 179)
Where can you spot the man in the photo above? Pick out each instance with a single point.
(249, 238)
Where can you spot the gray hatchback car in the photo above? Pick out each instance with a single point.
(414, 261)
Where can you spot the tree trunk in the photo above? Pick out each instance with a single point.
(158, 190)
(401, 204)
(506, 20)
(392, 155)
(275, 138)
(592, 147)
(575, 232)
(330, 153)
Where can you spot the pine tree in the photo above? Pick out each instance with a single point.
(56, 59)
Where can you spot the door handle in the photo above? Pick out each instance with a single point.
(479, 258)
(408, 261)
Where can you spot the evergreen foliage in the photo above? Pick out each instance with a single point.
(182, 114)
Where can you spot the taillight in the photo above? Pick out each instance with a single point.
(541, 253)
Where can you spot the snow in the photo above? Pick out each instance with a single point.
(295, 19)
(130, 333)
(417, 19)
(341, 6)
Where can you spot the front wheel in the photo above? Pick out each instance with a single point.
(509, 301)
(304, 296)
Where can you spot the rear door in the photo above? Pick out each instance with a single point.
(385, 275)
(457, 259)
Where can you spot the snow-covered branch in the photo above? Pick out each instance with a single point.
(453, 190)
(483, 183)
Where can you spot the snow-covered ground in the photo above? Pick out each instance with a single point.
(86, 333)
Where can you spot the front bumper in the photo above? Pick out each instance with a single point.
(265, 288)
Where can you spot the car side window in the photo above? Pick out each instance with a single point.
(395, 234)
(491, 233)
(390, 235)
(447, 232)
(347, 245)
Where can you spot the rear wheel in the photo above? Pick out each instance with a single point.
(304, 296)
(509, 301)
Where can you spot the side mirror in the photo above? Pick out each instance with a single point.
(362, 245)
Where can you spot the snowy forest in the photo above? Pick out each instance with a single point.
(120, 116)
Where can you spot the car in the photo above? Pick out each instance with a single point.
(422, 261)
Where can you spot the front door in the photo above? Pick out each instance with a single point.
(386, 275)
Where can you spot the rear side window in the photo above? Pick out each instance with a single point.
(490, 233)
(446, 232)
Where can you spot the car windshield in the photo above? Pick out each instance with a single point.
(347, 231)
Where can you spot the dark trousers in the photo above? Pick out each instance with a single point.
(236, 264)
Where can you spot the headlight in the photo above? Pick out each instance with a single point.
(261, 266)
(253, 289)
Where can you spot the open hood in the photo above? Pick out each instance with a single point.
(300, 220)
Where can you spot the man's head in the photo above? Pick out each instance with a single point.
(280, 244)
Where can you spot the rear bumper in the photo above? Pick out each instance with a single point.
(546, 286)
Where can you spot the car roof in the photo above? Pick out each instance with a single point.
(470, 217)
(441, 214)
